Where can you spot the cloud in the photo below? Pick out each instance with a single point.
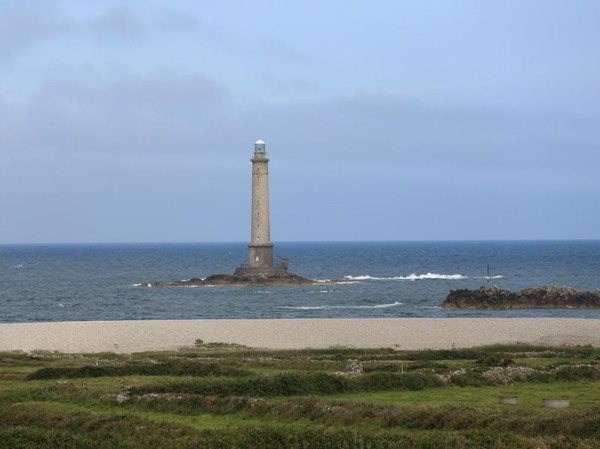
(26, 23)
(119, 22)
(279, 50)
(179, 112)
(388, 125)
(389, 140)
(164, 111)
(165, 151)
(176, 21)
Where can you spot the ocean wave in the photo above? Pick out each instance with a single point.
(490, 277)
(338, 307)
(410, 277)
(336, 282)
(60, 304)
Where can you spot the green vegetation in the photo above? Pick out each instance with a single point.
(223, 396)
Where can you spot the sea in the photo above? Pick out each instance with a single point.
(81, 282)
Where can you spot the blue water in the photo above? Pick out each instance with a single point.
(384, 279)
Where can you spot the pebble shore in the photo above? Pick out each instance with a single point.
(398, 333)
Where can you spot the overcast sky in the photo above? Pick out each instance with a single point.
(134, 121)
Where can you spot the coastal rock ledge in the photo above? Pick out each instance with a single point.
(229, 279)
(529, 298)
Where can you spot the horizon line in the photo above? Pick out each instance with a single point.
(237, 242)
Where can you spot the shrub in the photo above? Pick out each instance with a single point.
(576, 373)
(393, 381)
(444, 354)
(386, 368)
(468, 379)
(494, 360)
(428, 365)
(171, 368)
(287, 384)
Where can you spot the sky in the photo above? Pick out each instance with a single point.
(134, 121)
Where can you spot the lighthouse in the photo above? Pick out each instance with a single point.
(260, 248)
(259, 270)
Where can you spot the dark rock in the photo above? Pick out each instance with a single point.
(230, 279)
(540, 297)
(277, 279)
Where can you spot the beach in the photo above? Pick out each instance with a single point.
(398, 333)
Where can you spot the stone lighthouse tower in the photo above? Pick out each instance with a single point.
(260, 248)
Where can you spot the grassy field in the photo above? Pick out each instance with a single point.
(222, 396)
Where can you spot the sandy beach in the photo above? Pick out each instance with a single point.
(399, 333)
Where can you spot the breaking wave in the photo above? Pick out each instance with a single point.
(376, 306)
(410, 277)
(335, 281)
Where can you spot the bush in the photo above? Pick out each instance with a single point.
(576, 373)
(171, 368)
(444, 354)
(289, 384)
(428, 365)
(386, 368)
(295, 384)
(494, 360)
(393, 381)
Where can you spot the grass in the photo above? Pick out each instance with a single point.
(232, 397)
(529, 395)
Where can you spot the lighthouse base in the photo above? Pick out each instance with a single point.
(275, 277)
(260, 272)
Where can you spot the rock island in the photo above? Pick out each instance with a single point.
(540, 297)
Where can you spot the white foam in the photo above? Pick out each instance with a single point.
(364, 277)
(336, 282)
(449, 277)
(410, 277)
(376, 306)
(136, 285)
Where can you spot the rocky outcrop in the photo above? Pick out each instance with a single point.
(540, 297)
(230, 279)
